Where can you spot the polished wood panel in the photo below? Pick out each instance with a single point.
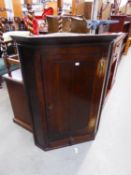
(66, 81)
(59, 4)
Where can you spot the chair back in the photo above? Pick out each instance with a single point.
(52, 23)
(9, 55)
(78, 25)
(67, 24)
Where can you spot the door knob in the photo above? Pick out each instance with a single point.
(77, 63)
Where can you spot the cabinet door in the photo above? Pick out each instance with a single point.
(73, 86)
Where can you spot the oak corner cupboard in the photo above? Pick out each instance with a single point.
(66, 78)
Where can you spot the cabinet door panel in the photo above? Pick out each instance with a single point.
(70, 97)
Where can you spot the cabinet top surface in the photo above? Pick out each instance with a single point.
(64, 38)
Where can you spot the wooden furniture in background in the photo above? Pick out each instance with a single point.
(30, 18)
(66, 84)
(59, 4)
(128, 43)
(18, 99)
(27, 1)
(116, 56)
(88, 9)
(17, 95)
(52, 22)
(72, 24)
(78, 25)
(15, 87)
(115, 7)
(7, 46)
(118, 27)
(124, 25)
(78, 7)
(104, 9)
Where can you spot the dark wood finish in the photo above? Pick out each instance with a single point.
(18, 100)
(118, 27)
(69, 24)
(124, 25)
(66, 80)
(116, 56)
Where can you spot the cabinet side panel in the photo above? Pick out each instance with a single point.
(31, 70)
